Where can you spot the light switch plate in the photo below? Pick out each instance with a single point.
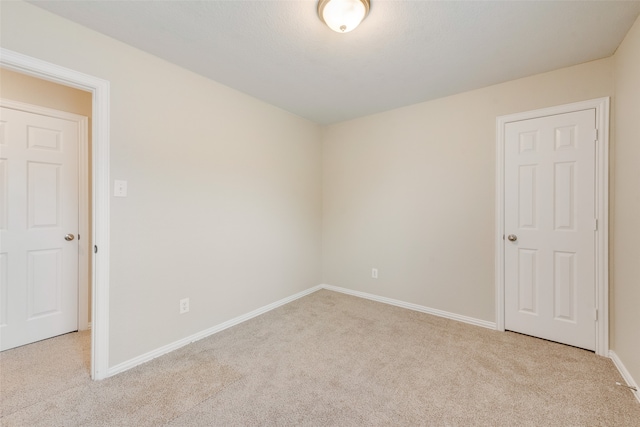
(120, 188)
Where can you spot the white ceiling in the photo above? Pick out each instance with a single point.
(404, 52)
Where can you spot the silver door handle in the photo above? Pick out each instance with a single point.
(512, 237)
(69, 237)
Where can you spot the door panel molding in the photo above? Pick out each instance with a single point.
(601, 265)
(99, 88)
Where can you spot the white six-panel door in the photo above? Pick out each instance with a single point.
(549, 186)
(38, 208)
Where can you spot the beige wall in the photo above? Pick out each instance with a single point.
(625, 260)
(412, 191)
(224, 202)
(23, 88)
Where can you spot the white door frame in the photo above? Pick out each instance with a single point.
(99, 88)
(83, 194)
(601, 264)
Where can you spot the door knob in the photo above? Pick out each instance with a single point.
(69, 237)
(512, 237)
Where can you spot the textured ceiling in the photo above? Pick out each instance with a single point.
(403, 53)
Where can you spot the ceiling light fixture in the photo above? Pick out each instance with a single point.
(343, 16)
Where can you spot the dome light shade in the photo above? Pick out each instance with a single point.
(343, 16)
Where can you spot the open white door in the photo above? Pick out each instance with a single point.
(39, 227)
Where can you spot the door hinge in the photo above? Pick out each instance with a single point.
(95, 249)
(595, 314)
(595, 224)
(595, 135)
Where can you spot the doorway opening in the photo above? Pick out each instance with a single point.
(45, 167)
(100, 107)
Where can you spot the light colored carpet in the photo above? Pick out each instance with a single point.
(325, 360)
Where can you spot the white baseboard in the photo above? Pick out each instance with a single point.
(121, 367)
(415, 307)
(131, 363)
(625, 374)
(237, 320)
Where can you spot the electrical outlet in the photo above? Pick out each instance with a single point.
(184, 305)
(374, 273)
